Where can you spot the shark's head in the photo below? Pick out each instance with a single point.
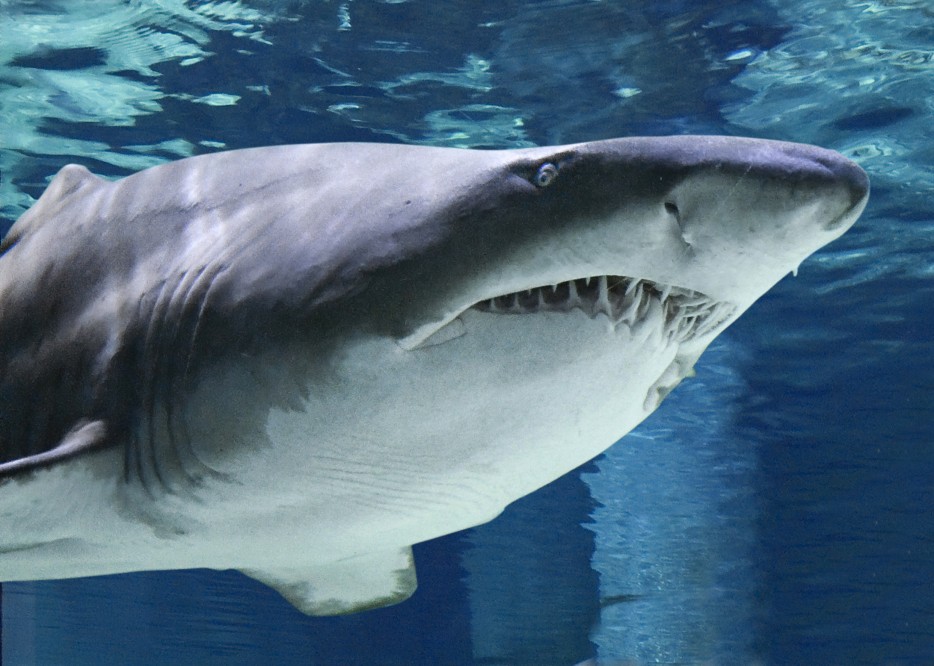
(556, 294)
(717, 218)
(685, 231)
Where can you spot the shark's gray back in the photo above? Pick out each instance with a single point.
(106, 288)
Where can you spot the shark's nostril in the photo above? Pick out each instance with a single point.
(672, 209)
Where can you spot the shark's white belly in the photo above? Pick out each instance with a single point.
(406, 446)
(399, 447)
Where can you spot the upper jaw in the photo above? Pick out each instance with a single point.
(682, 314)
(677, 314)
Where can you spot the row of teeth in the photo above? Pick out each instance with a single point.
(684, 314)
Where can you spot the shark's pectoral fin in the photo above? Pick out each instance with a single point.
(84, 437)
(348, 586)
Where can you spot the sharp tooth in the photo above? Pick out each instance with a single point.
(629, 314)
(650, 324)
(574, 299)
(666, 292)
(631, 286)
(691, 301)
(686, 328)
(671, 329)
(706, 325)
(603, 297)
(714, 318)
(645, 300)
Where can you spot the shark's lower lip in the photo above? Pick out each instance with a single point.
(684, 314)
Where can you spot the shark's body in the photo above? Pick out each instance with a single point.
(298, 361)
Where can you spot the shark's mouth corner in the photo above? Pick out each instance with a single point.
(681, 314)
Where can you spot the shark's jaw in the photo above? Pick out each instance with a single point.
(682, 315)
(648, 310)
(656, 331)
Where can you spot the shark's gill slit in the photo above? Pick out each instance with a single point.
(684, 314)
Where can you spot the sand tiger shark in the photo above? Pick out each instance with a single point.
(298, 361)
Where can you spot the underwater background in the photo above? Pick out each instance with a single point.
(777, 508)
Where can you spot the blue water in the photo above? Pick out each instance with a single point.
(776, 509)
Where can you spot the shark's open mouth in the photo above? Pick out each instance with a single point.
(683, 314)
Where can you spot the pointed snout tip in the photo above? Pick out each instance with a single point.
(856, 181)
(836, 171)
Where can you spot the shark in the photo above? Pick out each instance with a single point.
(298, 361)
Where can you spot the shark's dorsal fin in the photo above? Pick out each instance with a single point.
(347, 586)
(84, 437)
(70, 179)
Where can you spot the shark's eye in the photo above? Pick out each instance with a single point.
(545, 175)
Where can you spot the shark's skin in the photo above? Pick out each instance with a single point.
(286, 360)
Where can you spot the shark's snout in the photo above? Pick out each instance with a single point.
(855, 180)
(835, 177)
